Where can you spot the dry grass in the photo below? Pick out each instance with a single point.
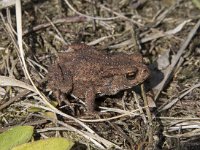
(165, 32)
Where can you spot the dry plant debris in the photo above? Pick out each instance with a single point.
(163, 113)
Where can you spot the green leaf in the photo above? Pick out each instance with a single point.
(15, 136)
(47, 144)
(196, 3)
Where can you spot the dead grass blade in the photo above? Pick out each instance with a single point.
(4, 4)
(93, 137)
(14, 99)
(124, 113)
(8, 81)
(89, 17)
(177, 57)
(174, 101)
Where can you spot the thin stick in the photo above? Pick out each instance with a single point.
(177, 57)
(89, 17)
(70, 19)
(174, 101)
(125, 114)
(4, 4)
(14, 99)
(122, 16)
(150, 130)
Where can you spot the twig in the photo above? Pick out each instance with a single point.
(126, 113)
(93, 137)
(12, 100)
(89, 17)
(176, 59)
(71, 19)
(122, 16)
(184, 135)
(140, 108)
(54, 27)
(4, 4)
(178, 118)
(174, 101)
(163, 15)
(150, 130)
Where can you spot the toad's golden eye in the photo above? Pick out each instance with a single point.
(131, 75)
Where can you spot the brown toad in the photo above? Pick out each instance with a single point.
(86, 72)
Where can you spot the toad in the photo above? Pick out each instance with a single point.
(87, 72)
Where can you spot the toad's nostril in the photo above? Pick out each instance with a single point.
(146, 72)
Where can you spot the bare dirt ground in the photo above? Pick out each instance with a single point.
(166, 34)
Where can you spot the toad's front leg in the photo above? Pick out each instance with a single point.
(90, 100)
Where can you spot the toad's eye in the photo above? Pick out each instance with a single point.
(131, 75)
